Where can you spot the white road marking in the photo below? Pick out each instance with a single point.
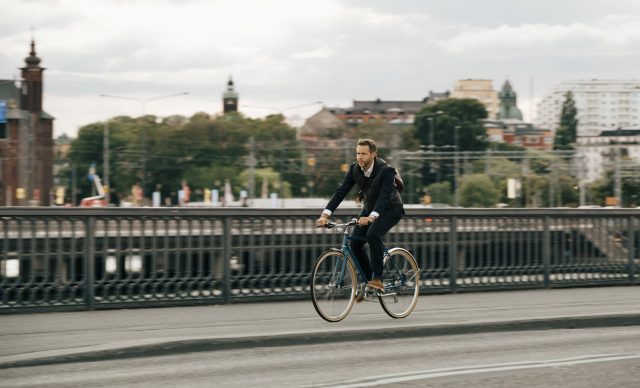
(434, 373)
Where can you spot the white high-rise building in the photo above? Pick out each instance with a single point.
(608, 151)
(602, 105)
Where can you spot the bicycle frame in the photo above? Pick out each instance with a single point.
(349, 255)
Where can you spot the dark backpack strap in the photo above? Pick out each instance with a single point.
(397, 179)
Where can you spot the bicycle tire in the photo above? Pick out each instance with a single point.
(401, 278)
(333, 301)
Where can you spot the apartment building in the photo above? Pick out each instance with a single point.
(480, 89)
(609, 150)
(602, 105)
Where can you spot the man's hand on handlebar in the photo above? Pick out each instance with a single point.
(364, 221)
(323, 220)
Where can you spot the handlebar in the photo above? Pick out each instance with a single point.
(331, 225)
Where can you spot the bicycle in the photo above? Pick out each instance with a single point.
(335, 283)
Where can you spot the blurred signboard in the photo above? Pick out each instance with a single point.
(3, 111)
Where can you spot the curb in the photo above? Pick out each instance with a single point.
(295, 339)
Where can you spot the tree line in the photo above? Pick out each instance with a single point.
(206, 151)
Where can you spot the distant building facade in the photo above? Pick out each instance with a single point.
(479, 89)
(369, 112)
(509, 127)
(26, 139)
(597, 154)
(519, 133)
(434, 97)
(320, 126)
(393, 112)
(601, 104)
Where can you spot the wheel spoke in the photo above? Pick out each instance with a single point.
(333, 283)
(401, 276)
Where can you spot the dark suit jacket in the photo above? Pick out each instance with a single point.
(379, 191)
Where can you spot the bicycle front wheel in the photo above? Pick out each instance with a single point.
(333, 286)
(401, 279)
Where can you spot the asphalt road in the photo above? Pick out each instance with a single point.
(568, 358)
(46, 338)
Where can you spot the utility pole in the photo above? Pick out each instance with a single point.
(456, 193)
(617, 178)
(105, 158)
(581, 182)
(348, 156)
(430, 120)
(252, 171)
(74, 188)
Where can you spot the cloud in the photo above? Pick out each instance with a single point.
(320, 52)
(284, 53)
(612, 34)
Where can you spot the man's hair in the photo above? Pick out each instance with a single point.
(368, 142)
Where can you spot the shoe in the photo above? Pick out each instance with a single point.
(359, 296)
(376, 284)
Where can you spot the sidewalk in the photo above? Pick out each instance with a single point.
(46, 338)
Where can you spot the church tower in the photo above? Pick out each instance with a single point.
(508, 103)
(230, 98)
(26, 151)
(31, 93)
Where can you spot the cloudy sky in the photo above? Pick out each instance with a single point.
(287, 53)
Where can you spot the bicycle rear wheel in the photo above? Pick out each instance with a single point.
(401, 279)
(333, 286)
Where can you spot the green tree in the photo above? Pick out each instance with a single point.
(446, 124)
(499, 170)
(478, 191)
(604, 187)
(566, 134)
(271, 177)
(124, 151)
(464, 113)
(203, 150)
(440, 192)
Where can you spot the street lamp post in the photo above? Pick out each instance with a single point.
(617, 186)
(456, 193)
(281, 111)
(143, 157)
(144, 101)
(432, 147)
(251, 165)
(105, 158)
(430, 117)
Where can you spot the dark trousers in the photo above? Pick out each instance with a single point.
(373, 234)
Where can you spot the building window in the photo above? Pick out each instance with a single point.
(3, 131)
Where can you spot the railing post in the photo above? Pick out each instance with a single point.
(89, 262)
(227, 259)
(546, 251)
(453, 254)
(631, 247)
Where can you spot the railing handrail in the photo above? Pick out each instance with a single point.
(57, 258)
(298, 212)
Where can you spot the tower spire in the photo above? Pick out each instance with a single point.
(31, 98)
(32, 60)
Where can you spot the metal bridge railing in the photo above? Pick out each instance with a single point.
(65, 259)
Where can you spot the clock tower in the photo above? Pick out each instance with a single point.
(230, 98)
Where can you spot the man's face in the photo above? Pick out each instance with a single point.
(364, 156)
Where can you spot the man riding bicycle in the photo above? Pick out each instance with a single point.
(382, 207)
